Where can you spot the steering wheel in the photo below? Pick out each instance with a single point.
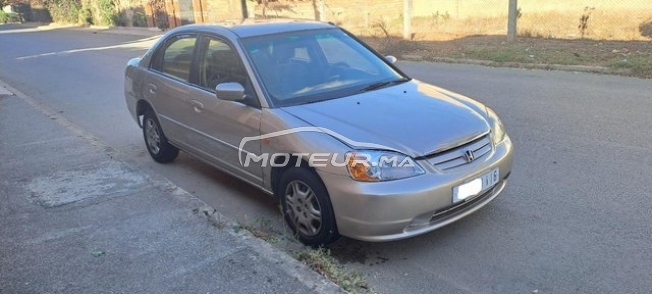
(216, 79)
(335, 71)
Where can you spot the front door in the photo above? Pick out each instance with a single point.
(221, 125)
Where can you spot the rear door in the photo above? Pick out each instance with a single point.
(168, 86)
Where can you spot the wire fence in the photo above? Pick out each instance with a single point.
(415, 19)
(449, 19)
(594, 19)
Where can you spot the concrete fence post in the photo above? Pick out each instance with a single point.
(511, 23)
(322, 10)
(407, 19)
(318, 7)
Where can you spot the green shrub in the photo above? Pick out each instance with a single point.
(3, 17)
(85, 16)
(9, 17)
(160, 14)
(64, 11)
(161, 19)
(139, 19)
(646, 29)
(107, 13)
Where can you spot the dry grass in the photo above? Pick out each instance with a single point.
(453, 19)
(602, 25)
(448, 20)
(436, 27)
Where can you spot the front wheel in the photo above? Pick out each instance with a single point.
(307, 208)
(157, 144)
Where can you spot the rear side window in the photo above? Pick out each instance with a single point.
(176, 59)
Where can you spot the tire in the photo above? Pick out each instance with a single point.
(306, 207)
(157, 144)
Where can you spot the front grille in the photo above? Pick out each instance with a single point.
(455, 157)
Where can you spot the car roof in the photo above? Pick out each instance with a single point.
(259, 27)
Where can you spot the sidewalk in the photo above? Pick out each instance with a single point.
(134, 31)
(76, 220)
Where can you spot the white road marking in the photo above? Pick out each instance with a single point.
(5, 92)
(140, 44)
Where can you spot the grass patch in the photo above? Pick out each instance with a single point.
(490, 53)
(631, 58)
(323, 262)
(639, 65)
(263, 228)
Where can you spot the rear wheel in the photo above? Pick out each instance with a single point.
(157, 144)
(307, 208)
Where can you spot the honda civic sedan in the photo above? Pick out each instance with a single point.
(348, 143)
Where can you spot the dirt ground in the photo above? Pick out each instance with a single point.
(633, 58)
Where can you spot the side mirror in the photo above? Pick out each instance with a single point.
(230, 92)
(391, 58)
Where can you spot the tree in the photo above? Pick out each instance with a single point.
(276, 6)
(646, 28)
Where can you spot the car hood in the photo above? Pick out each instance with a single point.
(414, 118)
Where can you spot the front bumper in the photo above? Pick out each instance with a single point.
(385, 211)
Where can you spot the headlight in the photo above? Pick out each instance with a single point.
(375, 166)
(497, 127)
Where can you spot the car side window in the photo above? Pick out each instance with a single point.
(221, 64)
(176, 59)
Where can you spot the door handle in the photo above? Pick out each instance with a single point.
(152, 88)
(197, 106)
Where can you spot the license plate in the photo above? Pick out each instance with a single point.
(474, 187)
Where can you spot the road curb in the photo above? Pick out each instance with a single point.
(134, 31)
(280, 259)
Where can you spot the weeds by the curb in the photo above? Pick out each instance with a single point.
(262, 228)
(320, 259)
(323, 262)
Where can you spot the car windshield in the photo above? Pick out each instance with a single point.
(310, 66)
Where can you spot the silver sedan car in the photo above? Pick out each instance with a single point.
(305, 111)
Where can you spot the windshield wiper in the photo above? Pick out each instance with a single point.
(379, 85)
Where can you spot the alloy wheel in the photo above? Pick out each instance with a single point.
(153, 137)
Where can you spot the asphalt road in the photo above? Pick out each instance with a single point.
(575, 217)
